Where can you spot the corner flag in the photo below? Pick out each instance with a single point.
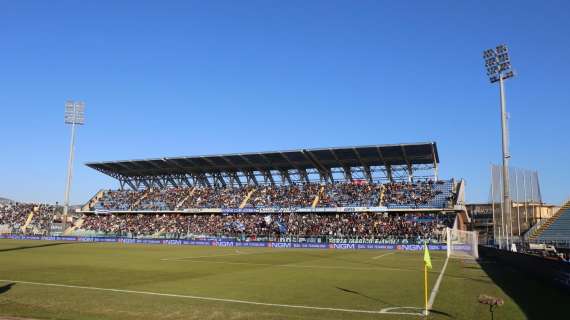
(427, 259)
(427, 264)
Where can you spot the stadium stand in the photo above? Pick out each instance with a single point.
(311, 195)
(556, 230)
(14, 215)
(378, 227)
(402, 195)
(35, 218)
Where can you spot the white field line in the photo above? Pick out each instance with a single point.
(238, 253)
(435, 289)
(297, 265)
(383, 311)
(383, 255)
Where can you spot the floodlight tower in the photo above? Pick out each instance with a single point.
(498, 64)
(74, 115)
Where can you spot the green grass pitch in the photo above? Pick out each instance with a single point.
(65, 280)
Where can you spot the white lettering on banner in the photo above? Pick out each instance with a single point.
(172, 242)
(223, 243)
(344, 246)
(280, 245)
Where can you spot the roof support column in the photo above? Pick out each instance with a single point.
(129, 183)
(347, 173)
(267, 176)
(435, 171)
(146, 183)
(172, 181)
(186, 181)
(234, 178)
(368, 173)
(250, 175)
(389, 173)
(203, 179)
(285, 177)
(303, 175)
(158, 182)
(219, 178)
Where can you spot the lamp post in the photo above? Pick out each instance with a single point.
(498, 65)
(74, 115)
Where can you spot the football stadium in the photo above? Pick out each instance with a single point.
(374, 199)
(337, 233)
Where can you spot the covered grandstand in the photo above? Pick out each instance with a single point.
(393, 162)
(378, 193)
(384, 176)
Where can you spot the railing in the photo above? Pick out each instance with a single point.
(559, 244)
(534, 228)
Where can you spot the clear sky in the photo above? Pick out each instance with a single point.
(172, 78)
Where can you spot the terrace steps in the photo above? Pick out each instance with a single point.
(381, 197)
(537, 232)
(78, 224)
(181, 203)
(246, 199)
(28, 221)
(318, 197)
(91, 203)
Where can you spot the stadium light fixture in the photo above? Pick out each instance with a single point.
(498, 66)
(74, 115)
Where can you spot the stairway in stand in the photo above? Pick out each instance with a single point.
(555, 228)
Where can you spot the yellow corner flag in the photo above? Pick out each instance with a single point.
(427, 259)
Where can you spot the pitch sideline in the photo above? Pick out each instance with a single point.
(382, 255)
(293, 265)
(237, 253)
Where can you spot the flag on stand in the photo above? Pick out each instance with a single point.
(427, 259)
(427, 265)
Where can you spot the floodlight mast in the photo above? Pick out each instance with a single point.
(74, 115)
(498, 64)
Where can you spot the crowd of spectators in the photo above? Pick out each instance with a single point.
(286, 196)
(118, 199)
(413, 193)
(338, 194)
(14, 215)
(395, 228)
(343, 194)
(217, 197)
(43, 216)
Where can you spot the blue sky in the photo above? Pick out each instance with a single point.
(171, 78)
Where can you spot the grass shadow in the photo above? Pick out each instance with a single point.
(35, 246)
(441, 313)
(364, 296)
(537, 299)
(5, 288)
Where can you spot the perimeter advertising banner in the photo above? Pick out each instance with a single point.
(228, 243)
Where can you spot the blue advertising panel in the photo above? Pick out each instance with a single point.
(232, 243)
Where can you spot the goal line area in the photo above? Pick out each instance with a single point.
(462, 244)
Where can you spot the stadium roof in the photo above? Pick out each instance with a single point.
(322, 159)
